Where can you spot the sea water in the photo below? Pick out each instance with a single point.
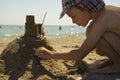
(13, 31)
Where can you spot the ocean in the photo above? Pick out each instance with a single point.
(13, 31)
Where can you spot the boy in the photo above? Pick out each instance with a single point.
(103, 32)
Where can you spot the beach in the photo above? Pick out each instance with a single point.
(64, 44)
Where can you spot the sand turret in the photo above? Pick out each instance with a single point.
(31, 28)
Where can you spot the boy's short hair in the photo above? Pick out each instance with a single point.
(88, 5)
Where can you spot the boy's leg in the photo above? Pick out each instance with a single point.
(109, 46)
(114, 41)
(105, 48)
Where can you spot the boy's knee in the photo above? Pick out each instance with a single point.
(101, 46)
(109, 35)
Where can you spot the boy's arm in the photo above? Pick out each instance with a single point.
(94, 36)
(89, 44)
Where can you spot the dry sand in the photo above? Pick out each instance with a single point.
(71, 42)
(60, 43)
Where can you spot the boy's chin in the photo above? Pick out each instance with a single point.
(82, 25)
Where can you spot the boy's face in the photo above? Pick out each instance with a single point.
(79, 17)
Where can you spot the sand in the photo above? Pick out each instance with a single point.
(71, 42)
(64, 43)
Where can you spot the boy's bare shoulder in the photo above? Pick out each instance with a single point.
(111, 16)
(113, 8)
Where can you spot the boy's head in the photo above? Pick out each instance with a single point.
(88, 5)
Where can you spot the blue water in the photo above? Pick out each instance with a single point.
(12, 31)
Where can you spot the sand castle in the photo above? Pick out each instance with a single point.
(19, 52)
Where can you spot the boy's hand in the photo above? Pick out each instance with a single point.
(43, 52)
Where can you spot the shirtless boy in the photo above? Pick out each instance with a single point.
(103, 33)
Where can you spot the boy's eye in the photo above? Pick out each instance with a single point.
(73, 16)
